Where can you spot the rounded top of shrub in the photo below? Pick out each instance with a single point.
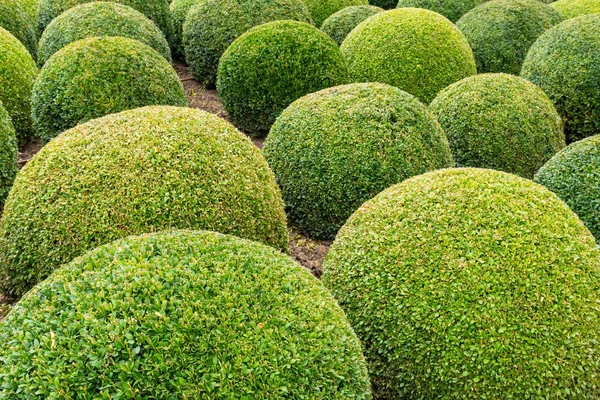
(15, 19)
(414, 49)
(142, 170)
(332, 150)
(499, 121)
(320, 10)
(207, 316)
(97, 76)
(270, 66)
(340, 24)
(501, 32)
(100, 19)
(575, 8)
(8, 154)
(452, 10)
(564, 62)
(467, 283)
(212, 25)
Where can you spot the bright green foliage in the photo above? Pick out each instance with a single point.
(501, 122)
(565, 63)
(320, 10)
(100, 19)
(181, 315)
(471, 284)
(340, 24)
(8, 154)
(14, 19)
(179, 11)
(501, 32)
(139, 171)
(576, 8)
(17, 75)
(271, 66)
(334, 149)
(417, 50)
(451, 9)
(97, 76)
(31, 8)
(212, 25)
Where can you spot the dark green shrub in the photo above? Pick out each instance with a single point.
(453, 9)
(98, 76)
(186, 315)
(334, 149)
(320, 10)
(179, 11)
(8, 154)
(471, 284)
(499, 121)
(576, 8)
(340, 24)
(15, 19)
(212, 25)
(385, 4)
(417, 50)
(501, 32)
(100, 19)
(139, 171)
(565, 63)
(272, 65)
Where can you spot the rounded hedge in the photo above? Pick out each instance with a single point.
(212, 25)
(15, 19)
(320, 10)
(499, 121)
(17, 75)
(453, 9)
(576, 8)
(340, 24)
(565, 63)
(97, 76)
(417, 50)
(501, 32)
(100, 19)
(466, 283)
(181, 315)
(8, 154)
(179, 11)
(272, 65)
(332, 150)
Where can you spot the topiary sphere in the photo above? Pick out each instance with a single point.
(139, 171)
(97, 76)
(8, 154)
(14, 19)
(340, 24)
(181, 315)
(565, 63)
(270, 66)
(179, 11)
(502, 31)
(320, 10)
(212, 25)
(417, 50)
(17, 75)
(332, 150)
(467, 283)
(453, 9)
(100, 19)
(499, 121)
(575, 8)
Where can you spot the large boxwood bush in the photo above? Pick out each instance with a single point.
(341, 23)
(471, 284)
(576, 8)
(451, 9)
(8, 154)
(320, 10)
(15, 19)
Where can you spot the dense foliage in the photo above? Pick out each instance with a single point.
(453, 9)
(575, 8)
(179, 11)
(341, 23)
(320, 10)
(15, 19)
(8, 154)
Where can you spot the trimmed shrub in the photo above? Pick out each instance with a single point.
(179, 11)
(139, 171)
(340, 24)
(14, 19)
(100, 19)
(272, 65)
(575, 8)
(466, 283)
(334, 149)
(320, 10)
(31, 8)
(501, 32)
(97, 76)
(453, 9)
(499, 121)
(17, 75)
(417, 50)
(207, 316)
(8, 154)
(565, 63)
(212, 25)
(385, 4)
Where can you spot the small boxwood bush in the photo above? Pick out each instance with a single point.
(320, 10)
(8, 154)
(100, 19)
(187, 315)
(15, 19)
(212, 25)
(499, 121)
(142, 170)
(272, 65)
(576, 8)
(179, 11)
(417, 50)
(98, 76)
(467, 284)
(332, 150)
(340, 24)
(502, 31)
(453, 9)
(565, 63)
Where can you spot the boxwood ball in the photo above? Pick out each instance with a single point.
(467, 284)
(417, 50)
(451, 9)
(138, 171)
(341, 23)
(15, 19)
(8, 154)
(320, 10)
(332, 150)
(576, 8)
(270, 66)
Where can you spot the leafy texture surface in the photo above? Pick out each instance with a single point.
(320, 10)
(451, 9)
(8, 154)
(340, 24)
(15, 19)
(179, 11)
(576, 8)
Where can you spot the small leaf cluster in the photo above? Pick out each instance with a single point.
(320, 10)
(341, 23)
(452, 10)
(8, 154)
(575, 8)
(15, 19)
